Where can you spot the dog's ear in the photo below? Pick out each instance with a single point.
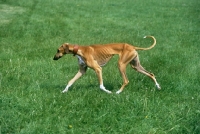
(66, 48)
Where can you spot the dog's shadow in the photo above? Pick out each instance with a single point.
(77, 86)
(90, 87)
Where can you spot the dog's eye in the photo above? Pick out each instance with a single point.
(57, 51)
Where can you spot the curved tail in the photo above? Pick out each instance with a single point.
(154, 43)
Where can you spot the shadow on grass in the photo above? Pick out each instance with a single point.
(78, 86)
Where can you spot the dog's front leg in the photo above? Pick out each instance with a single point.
(81, 71)
(99, 74)
(77, 76)
(104, 89)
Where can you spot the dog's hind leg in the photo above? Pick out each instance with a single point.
(135, 63)
(122, 69)
(124, 59)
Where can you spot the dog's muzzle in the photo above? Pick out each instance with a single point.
(56, 58)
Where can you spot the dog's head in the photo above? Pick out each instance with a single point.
(62, 50)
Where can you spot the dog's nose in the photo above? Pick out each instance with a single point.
(55, 58)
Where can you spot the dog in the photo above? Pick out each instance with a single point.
(96, 56)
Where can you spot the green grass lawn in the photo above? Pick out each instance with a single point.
(31, 82)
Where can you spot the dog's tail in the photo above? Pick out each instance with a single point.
(154, 43)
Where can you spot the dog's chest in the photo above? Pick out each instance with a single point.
(81, 60)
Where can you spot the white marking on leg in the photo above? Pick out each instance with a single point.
(66, 89)
(104, 89)
(118, 92)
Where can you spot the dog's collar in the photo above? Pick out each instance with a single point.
(75, 49)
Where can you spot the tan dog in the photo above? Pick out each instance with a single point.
(95, 56)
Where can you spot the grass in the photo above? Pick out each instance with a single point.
(31, 82)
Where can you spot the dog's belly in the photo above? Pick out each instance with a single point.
(103, 60)
(102, 55)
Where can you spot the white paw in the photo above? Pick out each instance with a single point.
(104, 89)
(64, 90)
(107, 91)
(118, 92)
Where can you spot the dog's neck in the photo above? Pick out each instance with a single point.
(75, 49)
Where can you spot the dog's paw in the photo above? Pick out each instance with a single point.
(118, 92)
(64, 90)
(104, 89)
(109, 92)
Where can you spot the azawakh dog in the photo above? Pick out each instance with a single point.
(96, 56)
